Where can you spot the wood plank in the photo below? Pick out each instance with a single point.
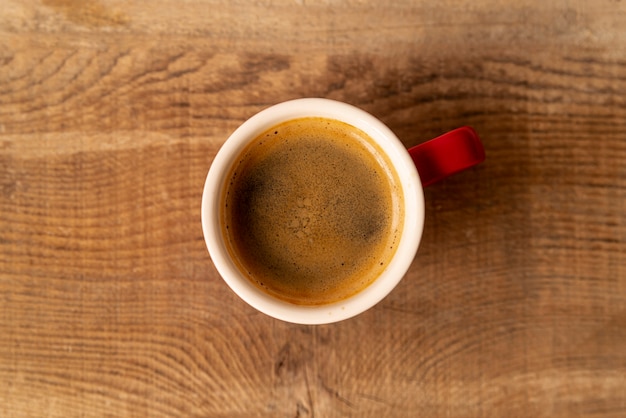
(111, 113)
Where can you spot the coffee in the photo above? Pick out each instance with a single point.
(312, 211)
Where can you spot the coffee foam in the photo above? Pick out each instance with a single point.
(312, 211)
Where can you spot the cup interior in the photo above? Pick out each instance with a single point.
(411, 228)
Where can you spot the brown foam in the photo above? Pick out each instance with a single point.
(310, 214)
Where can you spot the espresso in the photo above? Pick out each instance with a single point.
(312, 211)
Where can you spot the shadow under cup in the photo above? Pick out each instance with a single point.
(230, 268)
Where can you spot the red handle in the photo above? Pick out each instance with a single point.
(447, 154)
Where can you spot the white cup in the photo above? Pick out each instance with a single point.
(411, 227)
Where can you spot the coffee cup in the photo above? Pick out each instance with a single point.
(313, 209)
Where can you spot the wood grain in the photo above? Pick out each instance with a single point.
(111, 113)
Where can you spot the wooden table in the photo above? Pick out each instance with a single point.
(111, 113)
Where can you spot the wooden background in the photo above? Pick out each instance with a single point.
(112, 111)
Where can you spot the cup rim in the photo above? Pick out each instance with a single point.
(413, 211)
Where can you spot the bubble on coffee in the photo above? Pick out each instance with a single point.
(312, 212)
